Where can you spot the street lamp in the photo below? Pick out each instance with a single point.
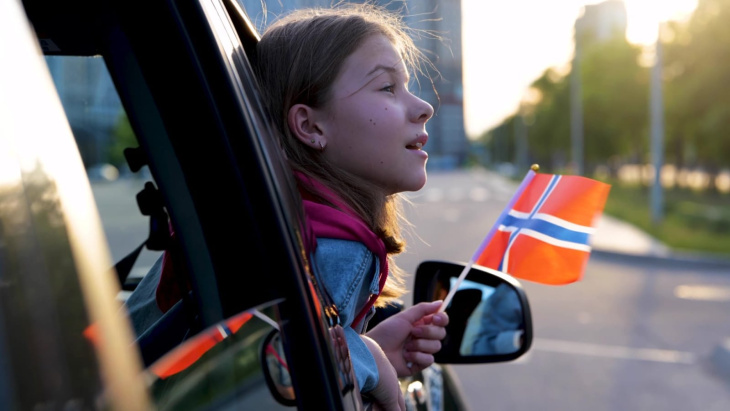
(656, 118)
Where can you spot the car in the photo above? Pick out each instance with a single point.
(245, 323)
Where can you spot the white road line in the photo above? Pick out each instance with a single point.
(479, 194)
(451, 214)
(613, 351)
(702, 292)
(433, 195)
(455, 194)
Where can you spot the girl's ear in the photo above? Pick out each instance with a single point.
(302, 123)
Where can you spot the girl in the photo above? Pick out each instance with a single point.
(336, 84)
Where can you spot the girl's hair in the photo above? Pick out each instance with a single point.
(297, 60)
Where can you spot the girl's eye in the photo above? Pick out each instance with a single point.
(389, 89)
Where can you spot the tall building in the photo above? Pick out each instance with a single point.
(93, 108)
(598, 23)
(602, 21)
(447, 145)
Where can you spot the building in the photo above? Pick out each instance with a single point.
(598, 23)
(447, 146)
(602, 21)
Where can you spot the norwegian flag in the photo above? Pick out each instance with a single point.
(543, 233)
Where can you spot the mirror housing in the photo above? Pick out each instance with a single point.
(489, 315)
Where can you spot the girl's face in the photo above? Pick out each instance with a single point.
(373, 126)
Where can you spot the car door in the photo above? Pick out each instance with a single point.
(184, 83)
(63, 344)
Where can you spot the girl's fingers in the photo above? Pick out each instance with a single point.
(425, 346)
(418, 360)
(429, 332)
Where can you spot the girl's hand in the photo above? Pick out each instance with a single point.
(410, 338)
(387, 395)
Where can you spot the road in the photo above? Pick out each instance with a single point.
(123, 221)
(631, 335)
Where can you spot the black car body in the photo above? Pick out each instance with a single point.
(214, 176)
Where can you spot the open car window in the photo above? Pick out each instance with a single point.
(102, 131)
(162, 160)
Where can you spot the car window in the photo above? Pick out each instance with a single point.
(227, 353)
(102, 132)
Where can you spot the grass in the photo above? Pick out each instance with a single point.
(693, 221)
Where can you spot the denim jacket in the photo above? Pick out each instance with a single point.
(349, 272)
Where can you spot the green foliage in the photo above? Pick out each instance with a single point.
(692, 221)
(549, 133)
(122, 137)
(696, 66)
(615, 100)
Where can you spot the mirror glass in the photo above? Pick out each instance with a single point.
(277, 370)
(485, 320)
(489, 317)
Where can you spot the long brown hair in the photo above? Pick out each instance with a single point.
(297, 60)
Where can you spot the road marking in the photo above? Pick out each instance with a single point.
(702, 292)
(455, 194)
(479, 194)
(434, 195)
(451, 215)
(613, 351)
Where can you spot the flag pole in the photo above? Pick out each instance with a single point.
(525, 181)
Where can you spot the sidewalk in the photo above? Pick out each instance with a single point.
(615, 236)
(618, 238)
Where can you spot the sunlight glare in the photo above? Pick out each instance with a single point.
(644, 16)
(507, 45)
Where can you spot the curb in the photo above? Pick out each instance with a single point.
(675, 259)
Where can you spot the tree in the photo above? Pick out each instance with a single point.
(615, 101)
(122, 137)
(698, 107)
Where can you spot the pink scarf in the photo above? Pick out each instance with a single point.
(328, 222)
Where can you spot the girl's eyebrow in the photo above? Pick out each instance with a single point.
(387, 69)
(377, 68)
(381, 67)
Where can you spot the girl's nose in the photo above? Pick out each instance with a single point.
(422, 111)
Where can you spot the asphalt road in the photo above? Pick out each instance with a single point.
(123, 222)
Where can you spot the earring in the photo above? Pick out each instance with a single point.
(311, 141)
(321, 147)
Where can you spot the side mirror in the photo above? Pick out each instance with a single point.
(489, 316)
(276, 370)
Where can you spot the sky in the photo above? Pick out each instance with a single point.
(507, 44)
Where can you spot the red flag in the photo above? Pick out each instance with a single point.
(187, 353)
(543, 233)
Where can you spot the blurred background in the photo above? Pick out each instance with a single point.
(627, 92)
(612, 90)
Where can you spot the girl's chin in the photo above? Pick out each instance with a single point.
(417, 183)
(413, 182)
